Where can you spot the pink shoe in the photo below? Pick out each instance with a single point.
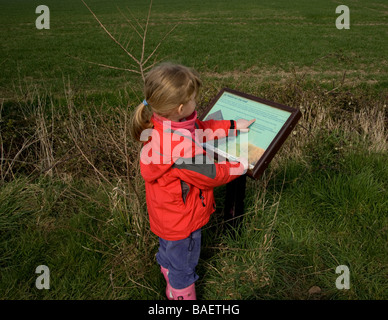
(168, 287)
(185, 293)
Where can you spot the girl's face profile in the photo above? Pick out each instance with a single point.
(189, 107)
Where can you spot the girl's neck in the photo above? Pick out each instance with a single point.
(188, 124)
(177, 119)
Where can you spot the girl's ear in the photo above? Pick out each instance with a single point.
(180, 109)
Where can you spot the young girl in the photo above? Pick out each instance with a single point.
(179, 178)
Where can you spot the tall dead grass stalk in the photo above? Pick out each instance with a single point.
(141, 59)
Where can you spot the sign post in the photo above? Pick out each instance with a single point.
(234, 201)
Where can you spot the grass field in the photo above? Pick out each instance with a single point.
(71, 194)
(274, 39)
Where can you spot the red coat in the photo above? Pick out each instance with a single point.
(179, 191)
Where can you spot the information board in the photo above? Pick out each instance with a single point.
(274, 122)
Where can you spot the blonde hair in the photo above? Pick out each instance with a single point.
(165, 88)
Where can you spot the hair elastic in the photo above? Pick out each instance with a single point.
(145, 102)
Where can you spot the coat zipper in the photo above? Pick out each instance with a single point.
(202, 197)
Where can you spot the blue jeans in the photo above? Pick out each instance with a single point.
(180, 258)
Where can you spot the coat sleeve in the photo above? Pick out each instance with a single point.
(216, 129)
(207, 175)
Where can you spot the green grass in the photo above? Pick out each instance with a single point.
(296, 231)
(311, 223)
(335, 219)
(271, 37)
(321, 203)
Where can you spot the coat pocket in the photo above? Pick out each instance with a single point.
(185, 190)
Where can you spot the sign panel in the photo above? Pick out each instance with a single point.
(274, 122)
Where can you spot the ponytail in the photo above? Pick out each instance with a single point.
(140, 120)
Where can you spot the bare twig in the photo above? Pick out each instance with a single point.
(130, 23)
(156, 48)
(143, 60)
(107, 66)
(110, 35)
(134, 18)
(141, 64)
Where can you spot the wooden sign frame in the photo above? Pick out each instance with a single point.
(274, 146)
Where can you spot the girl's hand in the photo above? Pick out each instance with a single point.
(242, 124)
(244, 163)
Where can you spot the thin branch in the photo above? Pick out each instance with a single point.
(152, 65)
(155, 62)
(156, 48)
(106, 66)
(145, 33)
(134, 18)
(110, 35)
(143, 59)
(144, 40)
(130, 23)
